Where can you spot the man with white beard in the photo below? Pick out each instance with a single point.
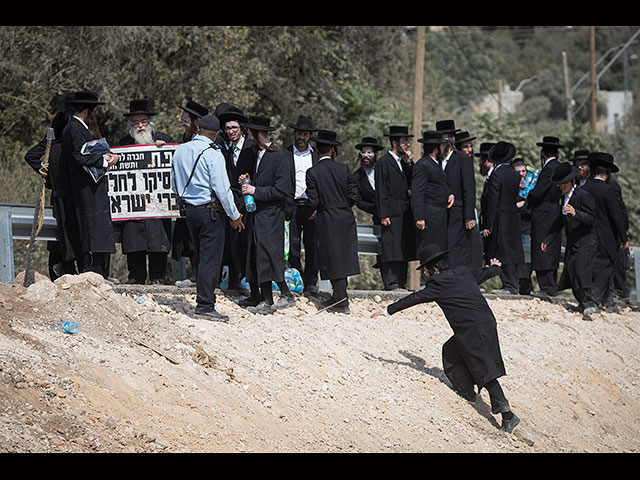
(149, 237)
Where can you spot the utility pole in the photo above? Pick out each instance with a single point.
(592, 63)
(414, 275)
(565, 69)
(499, 98)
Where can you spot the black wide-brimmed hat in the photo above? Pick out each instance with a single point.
(553, 142)
(502, 152)
(565, 172)
(432, 137)
(484, 149)
(580, 155)
(369, 142)
(446, 126)
(195, 109)
(604, 160)
(304, 123)
(327, 137)
(227, 111)
(464, 136)
(85, 98)
(139, 106)
(398, 131)
(259, 123)
(429, 254)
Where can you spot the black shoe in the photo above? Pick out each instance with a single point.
(157, 281)
(263, 308)
(342, 307)
(133, 281)
(285, 301)
(211, 314)
(504, 291)
(509, 425)
(541, 295)
(311, 289)
(248, 302)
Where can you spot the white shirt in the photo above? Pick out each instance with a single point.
(567, 197)
(446, 160)
(302, 162)
(371, 175)
(260, 155)
(237, 148)
(397, 159)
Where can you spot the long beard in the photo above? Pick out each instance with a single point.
(142, 137)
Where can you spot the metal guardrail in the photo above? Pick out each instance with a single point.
(16, 222)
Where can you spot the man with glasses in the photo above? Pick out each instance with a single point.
(148, 239)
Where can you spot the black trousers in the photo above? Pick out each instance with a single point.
(96, 262)
(302, 230)
(456, 370)
(603, 273)
(339, 286)
(524, 278)
(509, 276)
(137, 265)
(394, 274)
(548, 281)
(206, 227)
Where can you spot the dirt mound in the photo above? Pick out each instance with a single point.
(141, 375)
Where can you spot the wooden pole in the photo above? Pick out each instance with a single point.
(567, 96)
(499, 98)
(414, 275)
(592, 63)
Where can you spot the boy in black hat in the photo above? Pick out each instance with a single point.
(472, 355)
(332, 191)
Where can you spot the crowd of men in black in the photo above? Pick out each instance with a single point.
(417, 202)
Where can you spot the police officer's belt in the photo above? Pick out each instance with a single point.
(216, 205)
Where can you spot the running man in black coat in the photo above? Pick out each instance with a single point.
(472, 355)
(578, 216)
(332, 191)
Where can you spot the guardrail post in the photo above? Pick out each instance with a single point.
(6, 247)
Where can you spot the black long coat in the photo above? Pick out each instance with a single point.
(461, 181)
(502, 217)
(475, 330)
(580, 247)
(57, 180)
(149, 234)
(543, 200)
(609, 224)
(265, 226)
(398, 242)
(91, 203)
(367, 195)
(429, 198)
(332, 191)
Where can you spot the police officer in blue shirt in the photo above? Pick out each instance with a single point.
(199, 178)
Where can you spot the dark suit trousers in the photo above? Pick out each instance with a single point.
(206, 227)
(547, 281)
(603, 273)
(302, 230)
(394, 274)
(137, 265)
(509, 276)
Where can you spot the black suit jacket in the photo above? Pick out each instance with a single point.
(292, 166)
(367, 201)
(246, 164)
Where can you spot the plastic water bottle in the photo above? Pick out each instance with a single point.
(249, 202)
(69, 327)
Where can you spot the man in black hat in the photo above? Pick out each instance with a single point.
(199, 179)
(148, 239)
(472, 355)
(501, 217)
(181, 243)
(240, 155)
(458, 168)
(578, 215)
(302, 227)
(543, 200)
(393, 182)
(431, 195)
(332, 192)
(484, 168)
(365, 176)
(270, 187)
(524, 269)
(90, 199)
(610, 229)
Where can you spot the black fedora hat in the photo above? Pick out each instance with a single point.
(304, 123)
(139, 106)
(603, 159)
(85, 98)
(565, 172)
(226, 112)
(502, 152)
(429, 254)
(326, 136)
(259, 123)
(398, 131)
(432, 137)
(553, 142)
(369, 142)
(581, 156)
(464, 136)
(484, 149)
(195, 109)
(446, 126)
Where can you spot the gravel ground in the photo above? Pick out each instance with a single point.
(142, 375)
